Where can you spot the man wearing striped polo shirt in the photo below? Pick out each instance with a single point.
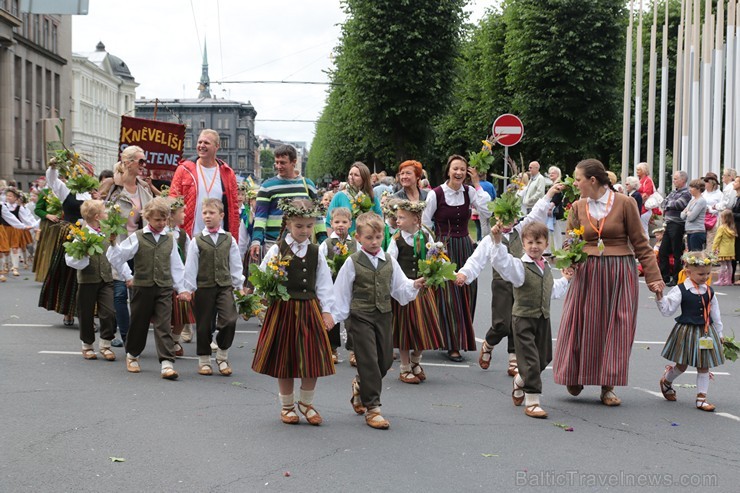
(268, 218)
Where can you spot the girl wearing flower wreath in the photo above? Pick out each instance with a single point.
(358, 197)
(182, 310)
(416, 325)
(696, 340)
(293, 342)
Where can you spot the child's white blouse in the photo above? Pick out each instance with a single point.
(671, 302)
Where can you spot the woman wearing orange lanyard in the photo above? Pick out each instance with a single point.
(600, 311)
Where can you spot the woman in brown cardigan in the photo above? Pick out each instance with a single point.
(600, 312)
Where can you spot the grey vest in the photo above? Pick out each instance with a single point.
(152, 261)
(213, 261)
(99, 269)
(372, 287)
(532, 299)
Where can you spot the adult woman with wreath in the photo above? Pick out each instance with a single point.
(358, 185)
(448, 211)
(599, 319)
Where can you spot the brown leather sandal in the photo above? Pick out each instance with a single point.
(89, 354)
(311, 414)
(107, 354)
(375, 420)
(516, 388)
(609, 398)
(513, 368)
(702, 404)
(535, 411)
(355, 400)
(484, 358)
(289, 416)
(408, 377)
(418, 371)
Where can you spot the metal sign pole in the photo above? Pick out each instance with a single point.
(506, 168)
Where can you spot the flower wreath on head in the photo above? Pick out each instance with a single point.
(249, 191)
(176, 203)
(291, 210)
(413, 207)
(699, 258)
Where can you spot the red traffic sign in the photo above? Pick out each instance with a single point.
(507, 130)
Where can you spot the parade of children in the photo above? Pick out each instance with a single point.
(363, 286)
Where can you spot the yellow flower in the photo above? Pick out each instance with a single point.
(580, 231)
(692, 259)
(487, 144)
(707, 261)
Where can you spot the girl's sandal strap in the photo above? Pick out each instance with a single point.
(408, 377)
(702, 404)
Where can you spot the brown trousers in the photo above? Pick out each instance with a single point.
(502, 301)
(372, 337)
(208, 303)
(153, 304)
(88, 295)
(533, 344)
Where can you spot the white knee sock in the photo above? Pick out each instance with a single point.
(204, 360)
(104, 344)
(14, 259)
(519, 383)
(405, 368)
(166, 364)
(415, 357)
(673, 374)
(286, 401)
(222, 354)
(306, 396)
(531, 400)
(702, 383)
(512, 356)
(87, 346)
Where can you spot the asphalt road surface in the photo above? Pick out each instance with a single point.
(64, 418)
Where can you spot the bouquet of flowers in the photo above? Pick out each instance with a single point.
(360, 203)
(270, 284)
(53, 204)
(730, 348)
(341, 252)
(507, 208)
(483, 159)
(78, 172)
(572, 252)
(248, 305)
(570, 195)
(115, 223)
(437, 268)
(164, 191)
(82, 243)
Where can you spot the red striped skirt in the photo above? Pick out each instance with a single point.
(416, 325)
(182, 312)
(293, 342)
(598, 324)
(456, 305)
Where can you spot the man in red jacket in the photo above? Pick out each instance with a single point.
(207, 177)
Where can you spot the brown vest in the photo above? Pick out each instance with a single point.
(99, 269)
(152, 261)
(213, 260)
(532, 299)
(372, 287)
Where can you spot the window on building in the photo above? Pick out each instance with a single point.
(54, 38)
(46, 43)
(26, 24)
(18, 140)
(14, 8)
(29, 81)
(29, 139)
(202, 124)
(39, 84)
(36, 29)
(242, 162)
(218, 123)
(188, 142)
(18, 82)
(226, 123)
(57, 96)
(47, 101)
(188, 122)
(242, 142)
(39, 140)
(224, 142)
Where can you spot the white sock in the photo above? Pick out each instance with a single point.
(512, 356)
(204, 360)
(131, 356)
(176, 337)
(531, 400)
(166, 364)
(104, 344)
(405, 368)
(672, 374)
(14, 259)
(702, 383)
(519, 383)
(306, 396)
(87, 346)
(222, 354)
(286, 401)
(415, 357)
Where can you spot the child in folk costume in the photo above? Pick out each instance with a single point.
(389, 212)
(502, 292)
(696, 339)
(293, 342)
(182, 310)
(365, 285)
(18, 238)
(724, 246)
(158, 270)
(9, 221)
(213, 270)
(95, 287)
(534, 287)
(416, 325)
(339, 245)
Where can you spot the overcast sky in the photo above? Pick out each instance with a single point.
(162, 41)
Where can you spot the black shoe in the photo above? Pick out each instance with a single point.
(457, 358)
(116, 342)
(670, 283)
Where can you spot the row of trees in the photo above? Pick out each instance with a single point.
(413, 80)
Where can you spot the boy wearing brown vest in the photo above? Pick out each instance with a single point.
(95, 286)
(364, 287)
(534, 287)
(158, 270)
(213, 270)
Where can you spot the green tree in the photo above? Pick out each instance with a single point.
(267, 163)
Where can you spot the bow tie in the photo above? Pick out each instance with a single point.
(213, 231)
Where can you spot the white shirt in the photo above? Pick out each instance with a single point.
(534, 190)
(728, 197)
(60, 188)
(597, 208)
(402, 288)
(324, 250)
(16, 222)
(80, 264)
(193, 257)
(215, 193)
(408, 238)
(119, 254)
(324, 287)
(478, 198)
(713, 199)
(671, 302)
(512, 270)
(243, 235)
(478, 260)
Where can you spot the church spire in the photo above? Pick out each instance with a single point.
(205, 83)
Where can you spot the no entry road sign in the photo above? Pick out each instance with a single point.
(508, 129)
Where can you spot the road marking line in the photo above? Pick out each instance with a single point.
(28, 325)
(247, 331)
(728, 415)
(656, 394)
(78, 353)
(446, 365)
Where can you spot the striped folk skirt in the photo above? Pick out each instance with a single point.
(598, 323)
(416, 325)
(45, 249)
(4, 239)
(59, 290)
(293, 342)
(456, 305)
(682, 347)
(182, 312)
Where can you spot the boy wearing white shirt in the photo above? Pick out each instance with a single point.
(533, 289)
(213, 270)
(363, 289)
(159, 270)
(95, 286)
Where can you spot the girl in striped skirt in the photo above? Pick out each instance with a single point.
(416, 325)
(182, 311)
(696, 339)
(293, 342)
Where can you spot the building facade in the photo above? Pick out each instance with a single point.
(267, 143)
(233, 120)
(103, 89)
(35, 84)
